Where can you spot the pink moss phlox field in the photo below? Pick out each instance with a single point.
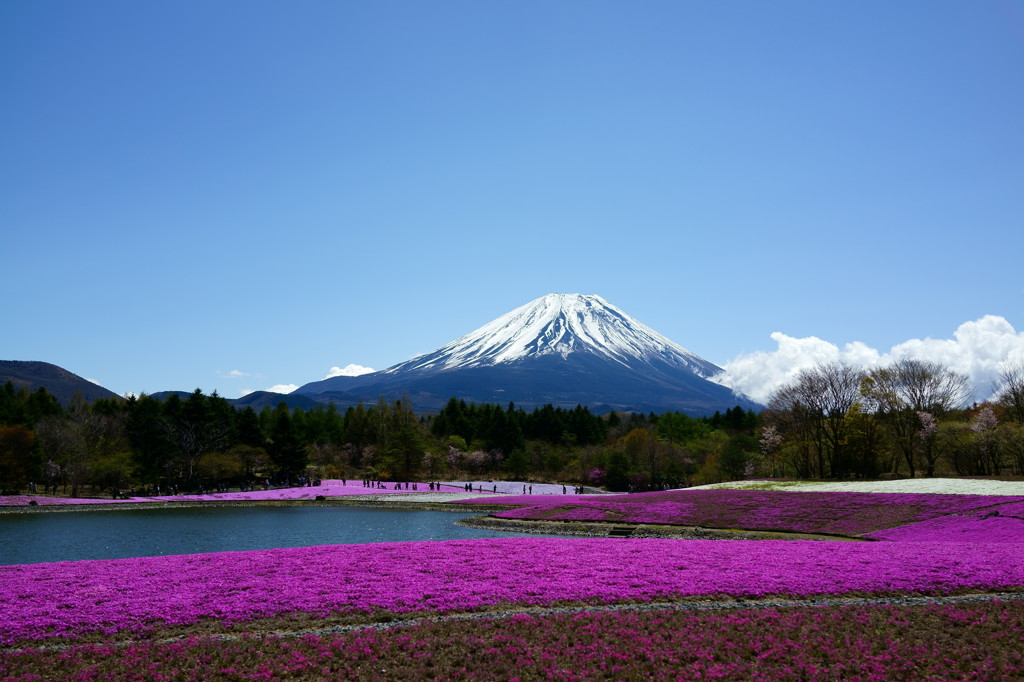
(1015, 509)
(957, 529)
(667, 512)
(849, 514)
(70, 598)
(328, 488)
(25, 500)
(853, 643)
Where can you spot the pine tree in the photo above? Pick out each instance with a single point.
(287, 451)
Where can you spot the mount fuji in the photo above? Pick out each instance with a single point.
(560, 349)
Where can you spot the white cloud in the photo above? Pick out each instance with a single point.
(979, 349)
(234, 374)
(277, 388)
(349, 370)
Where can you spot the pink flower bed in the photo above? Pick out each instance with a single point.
(69, 598)
(957, 529)
(574, 514)
(853, 643)
(652, 512)
(1015, 509)
(25, 500)
(849, 514)
(328, 488)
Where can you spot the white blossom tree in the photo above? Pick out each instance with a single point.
(984, 427)
(769, 443)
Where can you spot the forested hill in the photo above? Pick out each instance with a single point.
(58, 382)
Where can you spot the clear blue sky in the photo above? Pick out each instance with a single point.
(190, 189)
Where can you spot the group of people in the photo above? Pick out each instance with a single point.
(382, 485)
(33, 489)
(468, 487)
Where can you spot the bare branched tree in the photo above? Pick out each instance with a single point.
(1010, 389)
(818, 401)
(902, 390)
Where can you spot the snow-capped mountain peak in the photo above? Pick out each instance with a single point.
(561, 350)
(561, 324)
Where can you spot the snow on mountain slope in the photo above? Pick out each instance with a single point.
(560, 324)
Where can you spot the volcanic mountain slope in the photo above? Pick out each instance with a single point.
(58, 382)
(562, 349)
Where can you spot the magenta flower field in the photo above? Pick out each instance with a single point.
(25, 500)
(997, 529)
(73, 598)
(1015, 509)
(914, 545)
(850, 643)
(846, 514)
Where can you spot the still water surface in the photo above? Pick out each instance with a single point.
(71, 536)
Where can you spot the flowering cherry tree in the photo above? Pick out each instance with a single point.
(984, 427)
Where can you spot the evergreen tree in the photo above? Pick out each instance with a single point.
(17, 457)
(18, 406)
(357, 426)
(286, 450)
(247, 428)
(616, 477)
(148, 437)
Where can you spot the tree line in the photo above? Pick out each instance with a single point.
(202, 443)
(833, 421)
(907, 418)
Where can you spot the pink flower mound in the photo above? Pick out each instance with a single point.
(1015, 509)
(849, 514)
(958, 529)
(580, 514)
(68, 598)
(25, 500)
(619, 512)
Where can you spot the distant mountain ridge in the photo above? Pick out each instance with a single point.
(560, 349)
(257, 400)
(58, 382)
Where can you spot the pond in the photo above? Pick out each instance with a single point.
(116, 534)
